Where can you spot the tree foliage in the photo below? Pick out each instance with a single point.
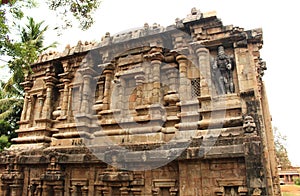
(10, 111)
(4, 142)
(11, 104)
(11, 14)
(280, 147)
(23, 53)
(81, 10)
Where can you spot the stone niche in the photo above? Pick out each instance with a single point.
(177, 110)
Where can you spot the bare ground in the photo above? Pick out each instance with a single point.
(291, 189)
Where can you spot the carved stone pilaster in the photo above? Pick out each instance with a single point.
(5, 189)
(204, 66)
(246, 78)
(41, 99)
(25, 107)
(30, 100)
(139, 80)
(86, 95)
(172, 75)
(50, 82)
(16, 189)
(65, 103)
(172, 96)
(46, 190)
(88, 73)
(59, 190)
(156, 58)
(183, 81)
(27, 86)
(108, 72)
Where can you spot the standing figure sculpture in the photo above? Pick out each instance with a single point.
(222, 72)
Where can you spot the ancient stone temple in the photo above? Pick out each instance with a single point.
(178, 110)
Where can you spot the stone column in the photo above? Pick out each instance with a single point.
(40, 106)
(69, 106)
(120, 88)
(148, 81)
(5, 189)
(101, 89)
(108, 72)
(61, 95)
(172, 96)
(48, 107)
(183, 81)
(245, 67)
(172, 77)
(156, 60)
(58, 190)
(86, 95)
(27, 86)
(139, 80)
(25, 107)
(16, 190)
(204, 66)
(29, 110)
(98, 191)
(39, 189)
(46, 190)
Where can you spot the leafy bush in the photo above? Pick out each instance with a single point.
(297, 181)
(4, 143)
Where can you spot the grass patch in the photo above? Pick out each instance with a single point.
(288, 194)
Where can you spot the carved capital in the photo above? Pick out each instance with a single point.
(87, 71)
(27, 85)
(50, 81)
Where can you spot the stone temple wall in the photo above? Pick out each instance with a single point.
(177, 110)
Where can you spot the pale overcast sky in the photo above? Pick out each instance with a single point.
(278, 19)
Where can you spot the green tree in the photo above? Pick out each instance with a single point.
(11, 104)
(10, 112)
(12, 12)
(280, 147)
(23, 53)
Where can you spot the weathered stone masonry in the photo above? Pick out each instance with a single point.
(180, 110)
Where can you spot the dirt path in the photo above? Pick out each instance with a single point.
(292, 189)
